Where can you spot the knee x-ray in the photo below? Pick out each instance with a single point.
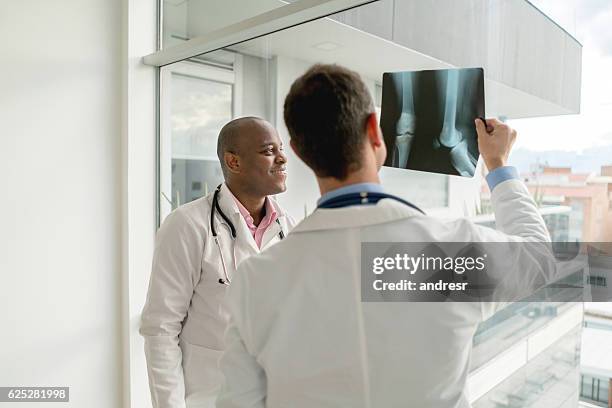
(428, 117)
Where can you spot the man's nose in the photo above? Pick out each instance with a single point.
(281, 157)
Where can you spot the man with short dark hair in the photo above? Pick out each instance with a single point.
(197, 250)
(300, 335)
(337, 150)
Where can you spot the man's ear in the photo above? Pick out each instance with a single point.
(232, 162)
(375, 136)
(376, 140)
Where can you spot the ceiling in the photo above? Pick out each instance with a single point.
(328, 41)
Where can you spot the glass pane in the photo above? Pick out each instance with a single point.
(604, 387)
(199, 108)
(186, 19)
(511, 325)
(550, 379)
(554, 90)
(426, 190)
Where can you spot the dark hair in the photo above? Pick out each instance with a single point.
(326, 112)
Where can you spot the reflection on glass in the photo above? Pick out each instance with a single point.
(511, 325)
(200, 108)
(549, 380)
(186, 19)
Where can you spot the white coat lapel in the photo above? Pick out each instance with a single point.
(244, 244)
(271, 234)
(273, 231)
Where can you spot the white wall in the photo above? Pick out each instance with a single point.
(257, 95)
(139, 221)
(60, 172)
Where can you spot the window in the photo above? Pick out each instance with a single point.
(594, 389)
(535, 81)
(197, 101)
(549, 378)
(186, 19)
(564, 161)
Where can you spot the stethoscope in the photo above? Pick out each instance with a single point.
(363, 198)
(216, 207)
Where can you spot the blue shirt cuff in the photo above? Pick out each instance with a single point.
(501, 174)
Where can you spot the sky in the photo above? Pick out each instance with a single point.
(590, 21)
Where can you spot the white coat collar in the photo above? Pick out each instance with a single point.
(228, 205)
(386, 210)
(230, 209)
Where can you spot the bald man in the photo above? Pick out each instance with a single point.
(197, 251)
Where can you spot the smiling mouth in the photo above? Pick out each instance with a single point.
(281, 171)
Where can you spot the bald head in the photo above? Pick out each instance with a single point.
(251, 156)
(234, 135)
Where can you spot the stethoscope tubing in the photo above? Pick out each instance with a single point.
(363, 198)
(216, 207)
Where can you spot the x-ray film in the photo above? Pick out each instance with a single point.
(428, 117)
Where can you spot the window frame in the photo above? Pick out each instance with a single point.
(230, 75)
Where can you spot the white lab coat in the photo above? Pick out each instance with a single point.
(301, 337)
(185, 315)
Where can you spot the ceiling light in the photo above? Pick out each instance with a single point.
(327, 46)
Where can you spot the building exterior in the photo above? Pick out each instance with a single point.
(575, 207)
(585, 199)
(596, 358)
(588, 196)
(528, 354)
(556, 217)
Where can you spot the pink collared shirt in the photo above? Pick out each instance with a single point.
(257, 230)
